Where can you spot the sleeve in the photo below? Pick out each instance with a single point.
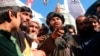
(62, 42)
(48, 46)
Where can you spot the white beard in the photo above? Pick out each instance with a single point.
(32, 36)
(34, 43)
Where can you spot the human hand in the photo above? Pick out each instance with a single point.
(58, 32)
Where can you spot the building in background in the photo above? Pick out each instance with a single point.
(63, 9)
(71, 9)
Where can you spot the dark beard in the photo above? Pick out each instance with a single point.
(51, 29)
(98, 13)
(23, 27)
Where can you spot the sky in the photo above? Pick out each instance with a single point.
(39, 7)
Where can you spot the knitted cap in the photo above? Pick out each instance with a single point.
(4, 3)
(54, 14)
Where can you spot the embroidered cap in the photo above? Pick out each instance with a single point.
(4, 3)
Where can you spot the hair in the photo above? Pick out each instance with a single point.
(26, 9)
(44, 30)
(93, 17)
(67, 27)
(4, 13)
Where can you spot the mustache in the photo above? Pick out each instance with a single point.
(32, 31)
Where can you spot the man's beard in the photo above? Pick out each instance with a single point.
(32, 36)
(52, 29)
(23, 27)
(98, 13)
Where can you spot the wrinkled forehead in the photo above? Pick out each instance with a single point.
(33, 22)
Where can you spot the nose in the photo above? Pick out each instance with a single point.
(56, 20)
(28, 19)
(33, 29)
(29, 16)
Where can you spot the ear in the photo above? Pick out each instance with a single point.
(10, 14)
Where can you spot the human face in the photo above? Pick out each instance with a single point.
(25, 17)
(33, 28)
(15, 21)
(94, 24)
(55, 22)
(98, 9)
(71, 31)
(80, 22)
